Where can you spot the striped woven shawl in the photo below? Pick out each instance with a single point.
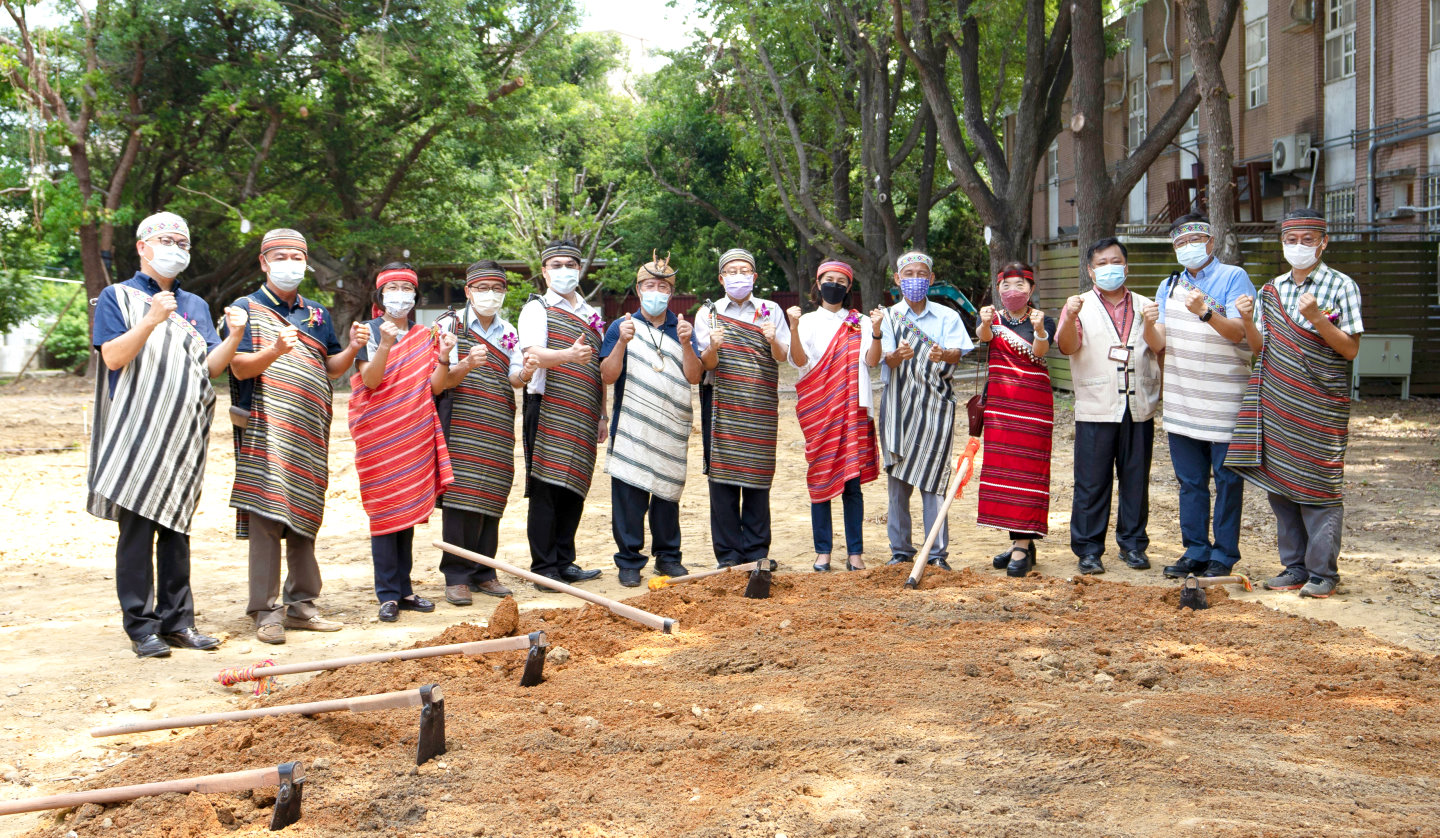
(917, 415)
(481, 433)
(745, 408)
(569, 421)
(1019, 418)
(649, 447)
(839, 436)
(1205, 374)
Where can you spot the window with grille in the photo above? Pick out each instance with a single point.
(1187, 72)
(1137, 112)
(1432, 199)
(1340, 205)
(1257, 63)
(1052, 164)
(1340, 40)
(1435, 24)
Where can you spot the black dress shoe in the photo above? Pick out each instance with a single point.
(389, 611)
(189, 638)
(1091, 565)
(895, 560)
(629, 577)
(1184, 568)
(940, 563)
(671, 569)
(573, 573)
(1022, 566)
(1214, 569)
(1135, 559)
(417, 603)
(547, 588)
(1002, 558)
(150, 646)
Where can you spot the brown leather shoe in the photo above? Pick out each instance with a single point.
(458, 595)
(491, 588)
(316, 623)
(272, 633)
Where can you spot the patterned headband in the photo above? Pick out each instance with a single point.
(736, 253)
(914, 257)
(475, 274)
(834, 265)
(1023, 273)
(160, 224)
(1190, 228)
(1317, 224)
(562, 249)
(396, 275)
(283, 238)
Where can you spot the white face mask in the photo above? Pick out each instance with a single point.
(1300, 256)
(398, 303)
(486, 303)
(287, 274)
(1192, 255)
(564, 280)
(168, 260)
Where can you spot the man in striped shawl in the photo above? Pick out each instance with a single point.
(1293, 428)
(153, 408)
(280, 402)
(485, 369)
(564, 414)
(742, 340)
(1207, 364)
(652, 362)
(922, 342)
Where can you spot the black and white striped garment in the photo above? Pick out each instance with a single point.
(148, 447)
(917, 415)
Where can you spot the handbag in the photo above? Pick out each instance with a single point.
(975, 410)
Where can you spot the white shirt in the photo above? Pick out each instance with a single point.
(745, 312)
(495, 335)
(534, 329)
(815, 331)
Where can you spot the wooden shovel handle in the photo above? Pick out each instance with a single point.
(209, 784)
(477, 647)
(359, 704)
(706, 574)
(918, 570)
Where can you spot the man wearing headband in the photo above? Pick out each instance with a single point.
(742, 339)
(280, 397)
(485, 369)
(1114, 362)
(1292, 431)
(564, 413)
(650, 357)
(1207, 365)
(153, 408)
(921, 343)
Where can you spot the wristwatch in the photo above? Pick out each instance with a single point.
(1209, 313)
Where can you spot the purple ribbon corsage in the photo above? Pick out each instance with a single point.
(1331, 315)
(853, 319)
(317, 316)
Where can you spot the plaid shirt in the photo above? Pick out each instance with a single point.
(1334, 292)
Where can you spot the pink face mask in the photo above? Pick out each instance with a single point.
(1014, 300)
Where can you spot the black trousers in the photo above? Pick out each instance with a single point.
(476, 532)
(629, 506)
(739, 523)
(152, 577)
(707, 412)
(1103, 452)
(393, 559)
(555, 511)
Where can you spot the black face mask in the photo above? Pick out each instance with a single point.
(833, 292)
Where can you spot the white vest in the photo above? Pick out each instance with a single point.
(1101, 391)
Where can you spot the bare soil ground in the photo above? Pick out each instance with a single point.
(843, 705)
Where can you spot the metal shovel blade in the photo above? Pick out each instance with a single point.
(534, 667)
(759, 585)
(1192, 596)
(287, 797)
(431, 742)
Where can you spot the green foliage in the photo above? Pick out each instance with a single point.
(69, 344)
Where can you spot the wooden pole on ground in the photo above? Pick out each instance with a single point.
(358, 704)
(209, 784)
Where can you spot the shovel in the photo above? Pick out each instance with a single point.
(358, 704)
(1192, 595)
(757, 588)
(431, 742)
(962, 476)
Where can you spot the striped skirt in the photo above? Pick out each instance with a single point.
(1019, 420)
(569, 424)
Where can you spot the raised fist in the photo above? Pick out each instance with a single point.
(359, 334)
(1196, 303)
(477, 355)
(1151, 311)
(236, 318)
(1245, 305)
(287, 339)
(447, 342)
(877, 317)
(1037, 320)
(389, 334)
(1074, 304)
(767, 329)
(987, 315)
(1309, 307)
(161, 306)
(793, 314)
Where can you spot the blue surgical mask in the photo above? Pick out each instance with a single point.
(1109, 277)
(654, 302)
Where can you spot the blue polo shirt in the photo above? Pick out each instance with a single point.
(110, 322)
(303, 314)
(612, 337)
(1224, 283)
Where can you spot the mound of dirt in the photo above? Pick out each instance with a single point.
(845, 705)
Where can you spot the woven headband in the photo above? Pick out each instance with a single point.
(834, 266)
(1190, 228)
(283, 238)
(477, 274)
(559, 250)
(1317, 224)
(1023, 273)
(912, 258)
(396, 275)
(736, 253)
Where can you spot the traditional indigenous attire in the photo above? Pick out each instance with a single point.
(1293, 427)
(480, 436)
(649, 436)
(148, 446)
(1205, 377)
(739, 413)
(1117, 387)
(833, 406)
(400, 452)
(917, 417)
(282, 439)
(1019, 424)
(561, 423)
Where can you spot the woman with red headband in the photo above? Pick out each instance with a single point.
(400, 453)
(834, 349)
(1019, 418)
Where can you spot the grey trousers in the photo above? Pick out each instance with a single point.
(302, 583)
(899, 524)
(1308, 536)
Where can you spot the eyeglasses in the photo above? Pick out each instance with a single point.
(1191, 239)
(735, 272)
(1307, 239)
(167, 241)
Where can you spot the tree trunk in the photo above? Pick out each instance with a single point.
(1220, 143)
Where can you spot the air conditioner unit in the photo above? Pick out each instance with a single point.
(1290, 153)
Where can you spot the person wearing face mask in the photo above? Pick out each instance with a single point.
(153, 408)
(1207, 365)
(742, 340)
(1292, 431)
(280, 395)
(1116, 372)
(650, 357)
(400, 453)
(1019, 419)
(485, 369)
(921, 343)
(835, 348)
(564, 413)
